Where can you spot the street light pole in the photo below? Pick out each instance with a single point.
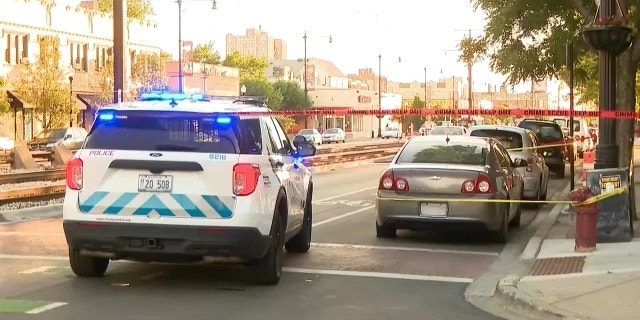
(180, 84)
(425, 86)
(306, 89)
(380, 95)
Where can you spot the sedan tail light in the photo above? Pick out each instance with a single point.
(245, 178)
(482, 185)
(389, 182)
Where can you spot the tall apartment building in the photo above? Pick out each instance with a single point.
(368, 79)
(257, 43)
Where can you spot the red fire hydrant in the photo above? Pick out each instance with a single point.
(586, 219)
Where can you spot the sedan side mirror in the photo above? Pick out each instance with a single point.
(518, 163)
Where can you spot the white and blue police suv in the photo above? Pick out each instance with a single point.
(185, 178)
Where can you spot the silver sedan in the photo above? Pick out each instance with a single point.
(440, 179)
(521, 143)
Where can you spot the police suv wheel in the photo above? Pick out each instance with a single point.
(85, 266)
(302, 241)
(269, 268)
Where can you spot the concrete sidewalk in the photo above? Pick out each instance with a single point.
(601, 285)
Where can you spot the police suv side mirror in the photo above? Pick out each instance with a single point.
(306, 149)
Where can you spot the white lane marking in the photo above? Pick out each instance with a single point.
(345, 194)
(342, 216)
(46, 307)
(26, 257)
(295, 270)
(384, 275)
(348, 203)
(38, 270)
(22, 233)
(356, 246)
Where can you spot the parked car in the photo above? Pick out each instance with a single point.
(391, 132)
(336, 135)
(72, 138)
(581, 134)
(311, 135)
(521, 143)
(6, 144)
(449, 130)
(552, 141)
(443, 170)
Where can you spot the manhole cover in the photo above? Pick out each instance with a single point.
(551, 266)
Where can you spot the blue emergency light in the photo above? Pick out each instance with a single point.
(223, 120)
(106, 116)
(169, 96)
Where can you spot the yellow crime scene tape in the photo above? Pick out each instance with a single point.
(590, 201)
(540, 147)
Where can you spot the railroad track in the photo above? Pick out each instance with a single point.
(44, 175)
(32, 194)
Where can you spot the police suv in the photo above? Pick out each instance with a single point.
(187, 178)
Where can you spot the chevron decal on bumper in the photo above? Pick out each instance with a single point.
(162, 204)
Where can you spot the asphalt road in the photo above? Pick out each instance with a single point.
(348, 274)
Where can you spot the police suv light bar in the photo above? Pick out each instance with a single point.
(171, 96)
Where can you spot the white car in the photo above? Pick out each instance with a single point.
(391, 132)
(6, 144)
(177, 178)
(312, 135)
(336, 135)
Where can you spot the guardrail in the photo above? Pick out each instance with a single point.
(325, 156)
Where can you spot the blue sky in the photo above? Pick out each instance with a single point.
(417, 31)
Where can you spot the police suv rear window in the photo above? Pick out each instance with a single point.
(172, 131)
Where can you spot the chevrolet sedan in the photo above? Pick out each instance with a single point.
(439, 179)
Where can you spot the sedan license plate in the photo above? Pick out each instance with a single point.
(155, 183)
(433, 209)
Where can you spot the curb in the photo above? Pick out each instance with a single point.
(32, 213)
(533, 245)
(507, 290)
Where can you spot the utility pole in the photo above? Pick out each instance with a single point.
(119, 48)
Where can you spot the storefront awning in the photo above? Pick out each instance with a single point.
(18, 102)
(92, 101)
(78, 104)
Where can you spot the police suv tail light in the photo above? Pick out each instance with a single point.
(74, 174)
(245, 178)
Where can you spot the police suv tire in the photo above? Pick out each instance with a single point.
(269, 267)
(301, 242)
(85, 266)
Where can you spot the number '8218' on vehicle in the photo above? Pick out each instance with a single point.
(435, 180)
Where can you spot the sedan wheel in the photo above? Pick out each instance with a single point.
(502, 235)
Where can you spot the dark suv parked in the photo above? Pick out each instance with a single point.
(549, 133)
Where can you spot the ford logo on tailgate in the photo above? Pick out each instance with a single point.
(155, 154)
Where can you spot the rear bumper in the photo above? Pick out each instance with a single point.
(174, 242)
(405, 214)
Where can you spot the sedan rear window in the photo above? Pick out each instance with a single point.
(173, 131)
(428, 152)
(508, 139)
(447, 130)
(546, 132)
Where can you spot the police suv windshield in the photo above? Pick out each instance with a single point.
(172, 131)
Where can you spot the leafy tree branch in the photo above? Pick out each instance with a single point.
(136, 9)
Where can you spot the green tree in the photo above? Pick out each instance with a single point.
(250, 67)
(206, 53)
(262, 88)
(407, 120)
(526, 41)
(148, 72)
(293, 95)
(5, 105)
(42, 84)
(136, 9)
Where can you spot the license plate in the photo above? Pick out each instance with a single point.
(433, 209)
(155, 183)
